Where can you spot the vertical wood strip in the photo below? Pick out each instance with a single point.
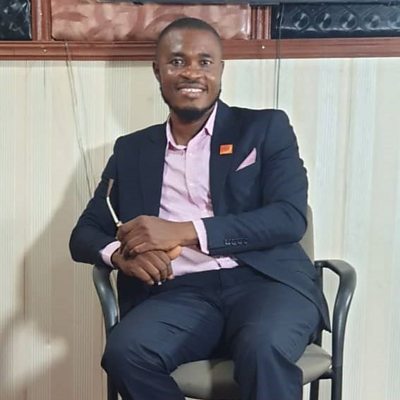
(267, 22)
(253, 11)
(41, 20)
(261, 22)
(12, 239)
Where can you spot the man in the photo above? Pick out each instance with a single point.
(213, 205)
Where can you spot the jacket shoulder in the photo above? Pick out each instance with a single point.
(142, 134)
(134, 139)
(265, 113)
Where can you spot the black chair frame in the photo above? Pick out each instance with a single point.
(344, 295)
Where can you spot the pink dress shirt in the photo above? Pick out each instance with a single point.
(185, 196)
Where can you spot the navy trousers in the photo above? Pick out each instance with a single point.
(263, 325)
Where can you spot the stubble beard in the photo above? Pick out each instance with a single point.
(190, 114)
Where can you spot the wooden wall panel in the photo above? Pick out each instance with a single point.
(108, 42)
(59, 121)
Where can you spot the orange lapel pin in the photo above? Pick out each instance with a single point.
(225, 149)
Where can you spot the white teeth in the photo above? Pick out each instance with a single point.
(191, 90)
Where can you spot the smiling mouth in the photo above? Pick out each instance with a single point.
(191, 90)
(191, 93)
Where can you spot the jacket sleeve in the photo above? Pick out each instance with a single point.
(281, 217)
(95, 227)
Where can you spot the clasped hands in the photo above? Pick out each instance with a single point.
(149, 244)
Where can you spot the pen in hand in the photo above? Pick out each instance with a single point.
(117, 222)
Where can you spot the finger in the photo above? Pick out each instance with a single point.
(127, 231)
(152, 270)
(143, 248)
(123, 230)
(130, 246)
(175, 252)
(151, 246)
(138, 268)
(144, 276)
(138, 272)
(128, 243)
(162, 255)
(162, 262)
(171, 255)
(133, 240)
(158, 263)
(149, 264)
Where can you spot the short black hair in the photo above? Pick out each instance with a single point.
(188, 23)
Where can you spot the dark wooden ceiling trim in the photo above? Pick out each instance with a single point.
(233, 49)
(259, 47)
(336, 48)
(313, 48)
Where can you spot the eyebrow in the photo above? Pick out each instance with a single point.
(201, 55)
(177, 54)
(206, 55)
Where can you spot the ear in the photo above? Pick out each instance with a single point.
(156, 70)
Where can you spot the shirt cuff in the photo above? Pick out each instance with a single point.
(108, 251)
(201, 234)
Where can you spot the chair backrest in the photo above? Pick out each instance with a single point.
(307, 242)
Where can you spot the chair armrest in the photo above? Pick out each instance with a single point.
(347, 284)
(107, 297)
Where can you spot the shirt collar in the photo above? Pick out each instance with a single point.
(207, 129)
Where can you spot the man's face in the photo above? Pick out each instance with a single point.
(189, 68)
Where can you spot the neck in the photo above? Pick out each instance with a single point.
(183, 131)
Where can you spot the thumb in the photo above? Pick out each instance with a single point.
(175, 252)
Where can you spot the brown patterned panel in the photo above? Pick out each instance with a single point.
(86, 20)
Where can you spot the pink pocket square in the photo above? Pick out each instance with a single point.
(250, 159)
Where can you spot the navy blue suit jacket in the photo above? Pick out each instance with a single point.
(260, 210)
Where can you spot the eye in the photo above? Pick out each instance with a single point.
(205, 62)
(177, 62)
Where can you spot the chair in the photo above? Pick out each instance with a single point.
(213, 379)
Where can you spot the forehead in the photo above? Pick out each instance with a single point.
(190, 42)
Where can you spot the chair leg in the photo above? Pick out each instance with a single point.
(112, 393)
(314, 390)
(337, 380)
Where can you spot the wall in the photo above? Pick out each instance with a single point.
(58, 123)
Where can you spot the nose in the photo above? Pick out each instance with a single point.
(191, 71)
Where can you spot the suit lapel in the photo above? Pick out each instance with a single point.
(152, 155)
(226, 132)
(151, 169)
